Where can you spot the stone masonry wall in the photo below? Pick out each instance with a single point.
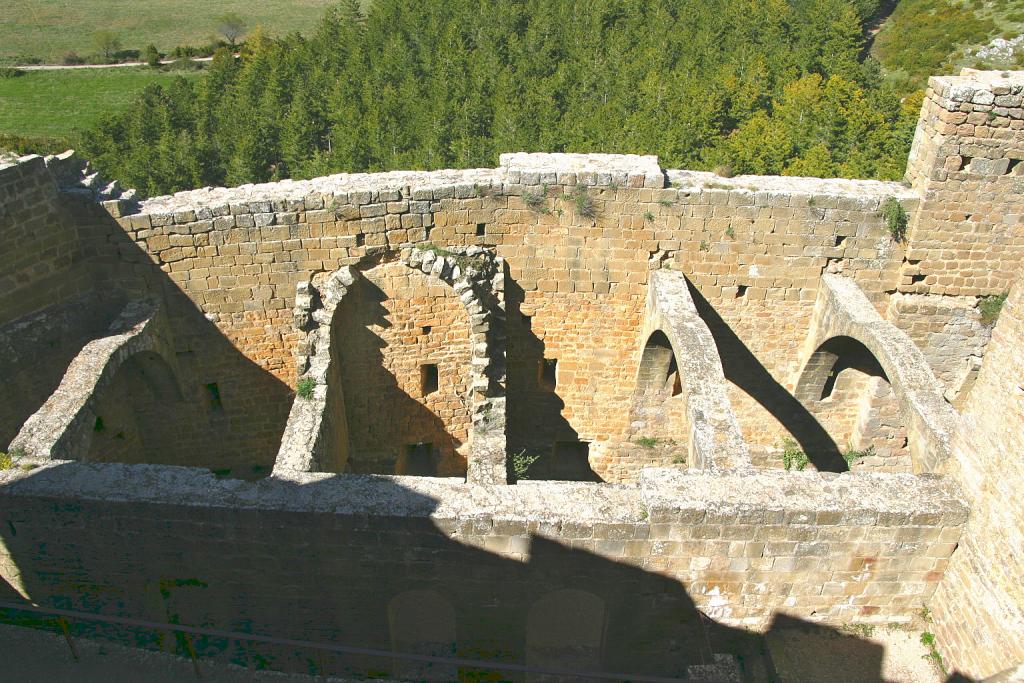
(47, 309)
(148, 541)
(394, 321)
(979, 607)
(968, 238)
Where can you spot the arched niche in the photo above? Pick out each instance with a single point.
(422, 623)
(138, 416)
(566, 629)
(845, 387)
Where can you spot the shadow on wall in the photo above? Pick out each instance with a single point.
(536, 432)
(392, 583)
(744, 370)
(232, 411)
(389, 431)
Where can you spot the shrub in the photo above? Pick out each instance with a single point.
(521, 463)
(185, 64)
(895, 217)
(73, 59)
(10, 72)
(723, 170)
(851, 456)
(649, 217)
(793, 456)
(304, 389)
(152, 56)
(585, 206)
(990, 307)
(533, 200)
(647, 442)
(6, 461)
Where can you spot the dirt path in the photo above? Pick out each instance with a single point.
(61, 67)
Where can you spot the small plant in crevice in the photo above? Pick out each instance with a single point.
(533, 200)
(9, 460)
(851, 456)
(679, 460)
(585, 206)
(647, 442)
(793, 456)
(723, 170)
(862, 630)
(928, 640)
(304, 388)
(6, 461)
(895, 217)
(730, 233)
(521, 463)
(649, 217)
(703, 246)
(666, 202)
(990, 307)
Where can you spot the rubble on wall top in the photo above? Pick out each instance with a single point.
(978, 87)
(844, 187)
(327, 185)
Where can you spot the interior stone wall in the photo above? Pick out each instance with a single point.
(662, 556)
(979, 606)
(393, 321)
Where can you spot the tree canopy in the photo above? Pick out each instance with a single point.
(766, 86)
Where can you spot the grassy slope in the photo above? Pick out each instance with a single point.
(52, 28)
(927, 37)
(54, 103)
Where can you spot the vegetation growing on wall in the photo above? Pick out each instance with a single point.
(761, 87)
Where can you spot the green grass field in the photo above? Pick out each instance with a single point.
(55, 103)
(49, 29)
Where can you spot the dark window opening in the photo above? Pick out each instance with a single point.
(741, 291)
(360, 240)
(1014, 168)
(419, 461)
(428, 378)
(426, 232)
(213, 397)
(917, 279)
(840, 239)
(481, 229)
(569, 461)
(98, 425)
(426, 329)
(830, 384)
(965, 163)
(548, 372)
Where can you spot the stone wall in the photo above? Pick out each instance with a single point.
(399, 321)
(979, 607)
(47, 306)
(147, 541)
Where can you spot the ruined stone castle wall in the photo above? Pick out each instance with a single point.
(979, 607)
(395, 322)
(48, 308)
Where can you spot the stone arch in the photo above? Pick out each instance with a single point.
(325, 428)
(422, 622)
(846, 388)
(137, 416)
(566, 629)
(658, 409)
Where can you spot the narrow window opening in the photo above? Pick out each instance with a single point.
(98, 425)
(428, 378)
(419, 460)
(481, 229)
(213, 397)
(840, 239)
(426, 329)
(917, 279)
(965, 163)
(1014, 168)
(426, 232)
(830, 384)
(741, 291)
(548, 372)
(360, 239)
